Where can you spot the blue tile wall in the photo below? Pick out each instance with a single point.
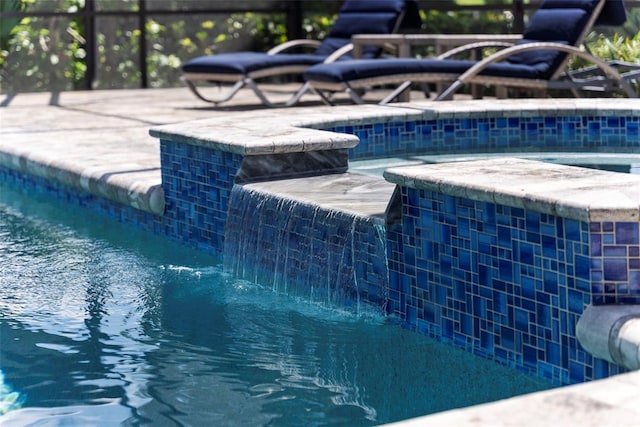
(502, 134)
(505, 283)
(614, 262)
(328, 257)
(197, 182)
(116, 211)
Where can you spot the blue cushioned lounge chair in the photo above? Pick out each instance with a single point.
(243, 69)
(538, 61)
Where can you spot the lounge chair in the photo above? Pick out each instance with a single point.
(243, 69)
(538, 61)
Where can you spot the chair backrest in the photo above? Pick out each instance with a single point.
(369, 17)
(567, 22)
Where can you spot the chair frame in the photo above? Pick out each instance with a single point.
(249, 80)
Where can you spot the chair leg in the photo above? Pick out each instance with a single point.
(396, 93)
(250, 83)
(326, 99)
(447, 94)
(355, 96)
(299, 94)
(292, 101)
(236, 87)
(501, 92)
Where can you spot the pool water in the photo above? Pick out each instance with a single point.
(613, 162)
(101, 324)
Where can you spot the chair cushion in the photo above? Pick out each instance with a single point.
(410, 8)
(587, 5)
(246, 62)
(341, 72)
(356, 17)
(613, 13)
(558, 25)
(366, 17)
(374, 6)
(558, 21)
(563, 26)
(348, 24)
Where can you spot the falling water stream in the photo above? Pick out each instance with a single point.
(304, 250)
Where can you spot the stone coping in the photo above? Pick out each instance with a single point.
(132, 184)
(99, 141)
(609, 402)
(277, 131)
(566, 191)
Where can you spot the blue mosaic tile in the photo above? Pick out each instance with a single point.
(464, 135)
(615, 258)
(513, 300)
(197, 183)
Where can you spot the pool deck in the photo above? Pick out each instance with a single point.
(104, 135)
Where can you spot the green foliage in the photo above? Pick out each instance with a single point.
(50, 53)
(45, 54)
(176, 41)
(7, 26)
(616, 47)
(466, 22)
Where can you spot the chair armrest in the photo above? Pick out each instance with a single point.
(293, 44)
(338, 53)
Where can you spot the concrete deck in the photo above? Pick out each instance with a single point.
(100, 139)
(108, 132)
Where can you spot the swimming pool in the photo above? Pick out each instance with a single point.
(533, 333)
(103, 324)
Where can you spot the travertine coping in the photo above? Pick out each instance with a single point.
(566, 191)
(99, 141)
(250, 137)
(132, 184)
(296, 129)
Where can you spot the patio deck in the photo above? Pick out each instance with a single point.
(105, 131)
(108, 132)
(104, 135)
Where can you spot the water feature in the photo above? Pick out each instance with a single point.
(103, 324)
(287, 244)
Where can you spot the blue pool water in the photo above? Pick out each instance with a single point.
(614, 162)
(101, 324)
